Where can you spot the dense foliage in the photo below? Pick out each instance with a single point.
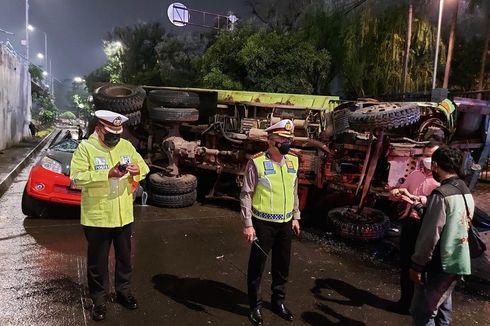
(350, 48)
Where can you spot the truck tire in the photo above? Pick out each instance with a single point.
(162, 114)
(31, 206)
(121, 98)
(384, 116)
(174, 99)
(369, 226)
(341, 120)
(173, 201)
(165, 185)
(134, 118)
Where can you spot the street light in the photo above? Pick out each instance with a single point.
(78, 79)
(45, 73)
(45, 55)
(441, 8)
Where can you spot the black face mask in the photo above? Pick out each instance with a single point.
(436, 176)
(283, 147)
(111, 139)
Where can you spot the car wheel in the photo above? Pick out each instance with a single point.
(31, 206)
(121, 98)
(161, 114)
(384, 116)
(165, 185)
(174, 99)
(370, 225)
(173, 201)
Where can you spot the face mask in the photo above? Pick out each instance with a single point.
(436, 176)
(111, 139)
(427, 161)
(283, 147)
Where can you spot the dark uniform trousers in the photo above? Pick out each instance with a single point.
(275, 236)
(408, 237)
(99, 243)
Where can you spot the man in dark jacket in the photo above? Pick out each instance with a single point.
(441, 252)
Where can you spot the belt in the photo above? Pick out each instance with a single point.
(269, 216)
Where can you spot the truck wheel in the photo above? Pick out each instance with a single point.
(173, 201)
(384, 116)
(162, 114)
(134, 118)
(31, 206)
(174, 99)
(341, 120)
(368, 226)
(165, 185)
(119, 98)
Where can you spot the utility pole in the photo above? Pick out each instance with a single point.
(27, 32)
(46, 49)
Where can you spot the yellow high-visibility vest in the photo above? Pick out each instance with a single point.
(273, 199)
(106, 202)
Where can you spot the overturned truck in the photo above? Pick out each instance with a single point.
(361, 148)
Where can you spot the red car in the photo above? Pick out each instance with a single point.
(49, 180)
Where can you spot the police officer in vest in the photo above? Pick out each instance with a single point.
(269, 209)
(105, 167)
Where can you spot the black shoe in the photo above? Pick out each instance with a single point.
(127, 301)
(282, 311)
(255, 317)
(98, 312)
(399, 308)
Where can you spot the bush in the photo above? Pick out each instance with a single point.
(68, 115)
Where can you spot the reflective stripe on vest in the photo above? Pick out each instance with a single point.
(273, 199)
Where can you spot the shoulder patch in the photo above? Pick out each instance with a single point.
(257, 155)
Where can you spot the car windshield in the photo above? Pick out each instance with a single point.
(66, 145)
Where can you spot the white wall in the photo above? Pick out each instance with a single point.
(15, 99)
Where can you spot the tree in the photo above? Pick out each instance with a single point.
(484, 6)
(452, 40)
(36, 73)
(131, 53)
(265, 60)
(369, 48)
(178, 59)
(47, 110)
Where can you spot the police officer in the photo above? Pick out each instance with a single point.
(105, 166)
(269, 209)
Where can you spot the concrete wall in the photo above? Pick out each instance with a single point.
(15, 99)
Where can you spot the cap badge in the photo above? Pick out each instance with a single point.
(288, 126)
(117, 121)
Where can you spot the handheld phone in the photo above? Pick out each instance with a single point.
(122, 167)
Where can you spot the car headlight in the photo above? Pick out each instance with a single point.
(51, 165)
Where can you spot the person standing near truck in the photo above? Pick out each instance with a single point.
(415, 188)
(442, 254)
(104, 167)
(270, 213)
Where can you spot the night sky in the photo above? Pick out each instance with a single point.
(75, 28)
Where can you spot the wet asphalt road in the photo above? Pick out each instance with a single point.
(189, 269)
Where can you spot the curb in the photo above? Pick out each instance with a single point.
(5, 183)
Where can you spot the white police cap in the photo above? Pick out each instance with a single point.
(112, 121)
(283, 128)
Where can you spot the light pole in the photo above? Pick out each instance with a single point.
(27, 31)
(439, 22)
(45, 57)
